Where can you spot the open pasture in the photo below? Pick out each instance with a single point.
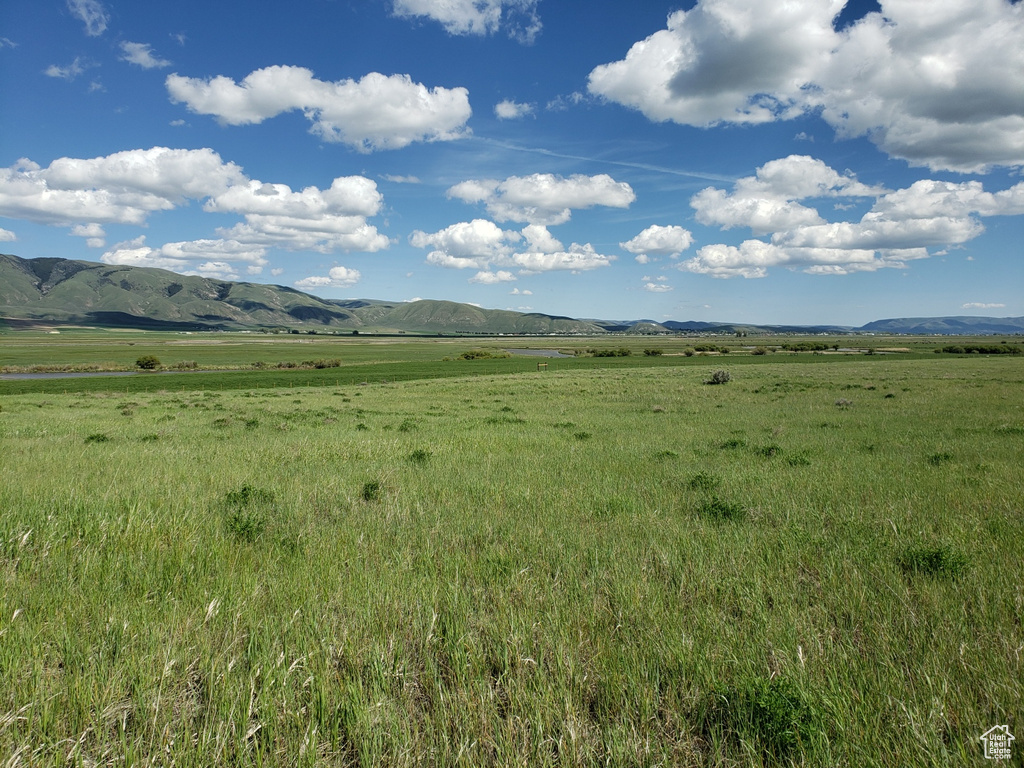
(813, 564)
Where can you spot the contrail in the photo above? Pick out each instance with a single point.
(623, 163)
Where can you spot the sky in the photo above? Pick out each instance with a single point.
(807, 162)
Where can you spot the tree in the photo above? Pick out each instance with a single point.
(148, 362)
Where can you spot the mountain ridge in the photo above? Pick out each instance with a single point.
(53, 291)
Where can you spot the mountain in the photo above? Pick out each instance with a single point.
(61, 291)
(951, 326)
(64, 292)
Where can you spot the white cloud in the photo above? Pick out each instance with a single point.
(900, 227)
(660, 241)
(93, 233)
(767, 202)
(543, 198)
(127, 187)
(723, 61)
(70, 72)
(6, 236)
(939, 84)
(208, 258)
(982, 305)
(124, 187)
(517, 292)
(401, 179)
(337, 277)
(485, 277)
(578, 258)
(477, 17)
(657, 287)
(92, 14)
(7, 43)
(466, 245)
(142, 54)
(376, 112)
(510, 110)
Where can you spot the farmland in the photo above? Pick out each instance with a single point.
(407, 560)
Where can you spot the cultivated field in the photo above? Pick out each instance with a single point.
(819, 562)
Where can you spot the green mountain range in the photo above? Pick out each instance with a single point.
(45, 292)
(63, 292)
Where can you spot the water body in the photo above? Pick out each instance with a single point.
(537, 352)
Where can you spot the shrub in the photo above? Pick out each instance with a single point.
(704, 481)
(734, 442)
(98, 437)
(760, 351)
(419, 456)
(332, 363)
(185, 365)
(771, 713)
(373, 491)
(247, 507)
(653, 352)
(933, 561)
(719, 377)
(769, 450)
(148, 362)
(720, 510)
(483, 354)
(938, 459)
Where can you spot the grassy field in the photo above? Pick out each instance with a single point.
(610, 563)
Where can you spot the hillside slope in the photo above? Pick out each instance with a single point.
(61, 291)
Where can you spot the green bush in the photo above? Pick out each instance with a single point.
(373, 491)
(148, 362)
(654, 352)
(772, 714)
(719, 377)
(933, 561)
(720, 510)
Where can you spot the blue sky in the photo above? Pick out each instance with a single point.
(804, 162)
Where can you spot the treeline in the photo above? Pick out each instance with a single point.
(980, 349)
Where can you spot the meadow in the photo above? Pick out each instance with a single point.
(819, 562)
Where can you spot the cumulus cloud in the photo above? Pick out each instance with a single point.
(901, 225)
(376, 112)
(466, 245)
(92, 14)
(208, 258)
(126, 187)
(577, 258)
(95, 236)
(659, 241)
(337, 277)
(657, 287)
(543, 198)
(510, 110)
(6, 236)
(517, 292)
(485, 277)
(938, 84)
(142, 54)
(477, 17)
(481, 244)
(767, 203)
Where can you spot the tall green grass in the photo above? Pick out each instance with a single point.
(443, 572)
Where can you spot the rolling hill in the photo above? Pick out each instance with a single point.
(60, 292)
(47, 291)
